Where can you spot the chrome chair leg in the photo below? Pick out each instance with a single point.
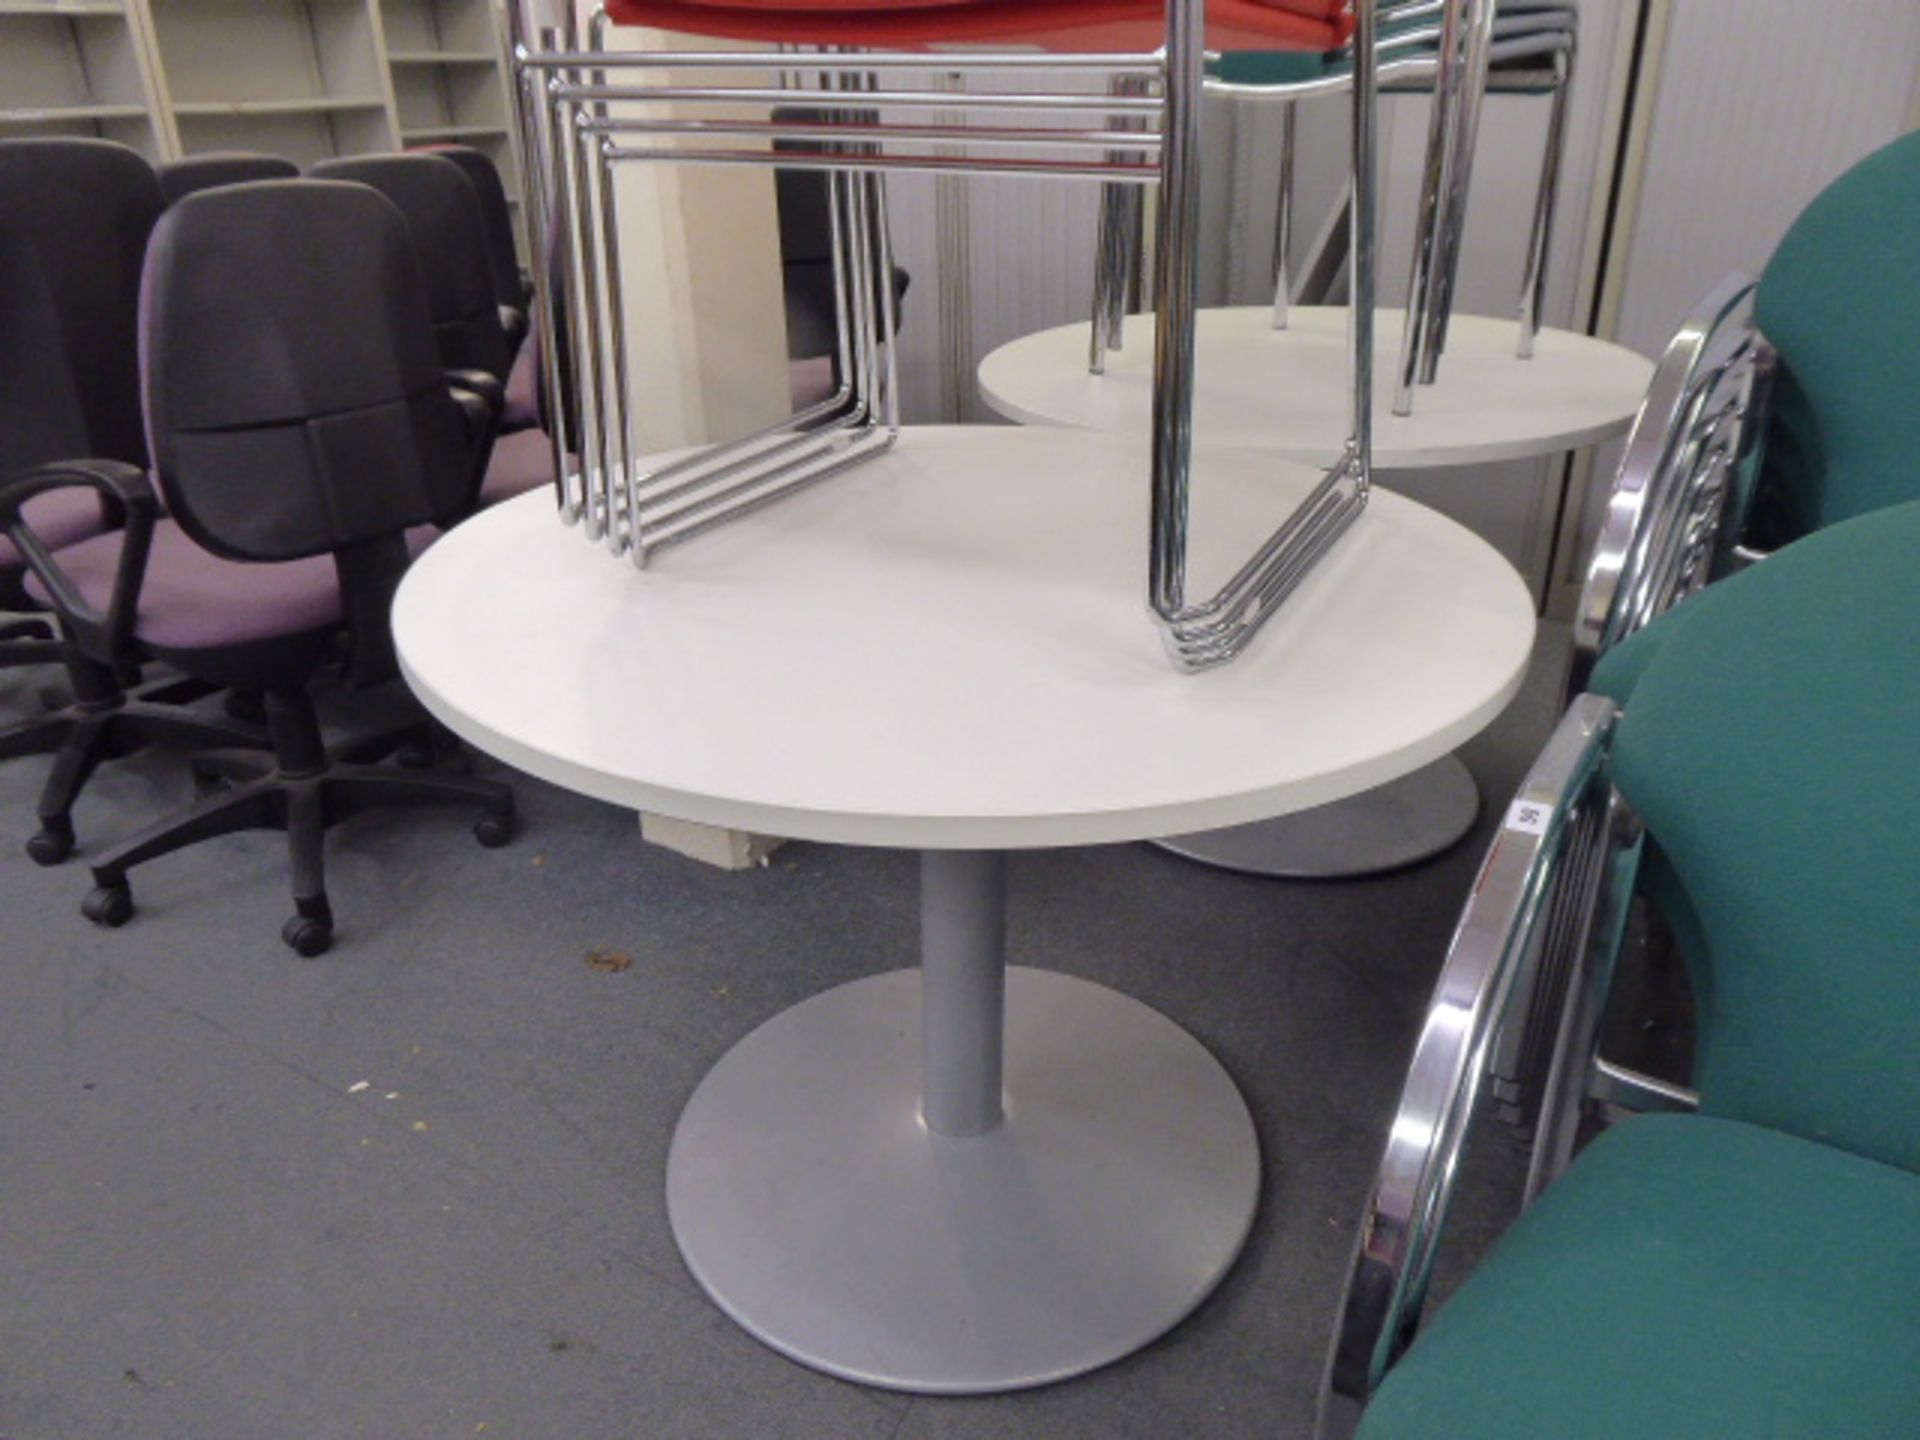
(1283, 218)
(1116, 259)
(1533, 284)
(1477, 21)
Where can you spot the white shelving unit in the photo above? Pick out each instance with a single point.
(307, 79)
(448, 83)
(78, 67)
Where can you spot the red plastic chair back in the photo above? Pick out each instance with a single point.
(1065, 25)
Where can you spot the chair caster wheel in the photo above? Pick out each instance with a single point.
(493, 831)
(205, 782)
(307, 936)
(109, 905)
(53, 844)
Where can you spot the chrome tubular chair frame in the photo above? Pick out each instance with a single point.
(584, 115)
(1678, 502)
(1556, 878)
(1673, 521)
(1528, 50)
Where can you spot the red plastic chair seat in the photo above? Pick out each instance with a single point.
(1130, 26)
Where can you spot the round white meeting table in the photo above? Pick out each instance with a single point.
(963, 1177)
(1285, 392)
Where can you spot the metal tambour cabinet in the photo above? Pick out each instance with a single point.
(307, 79)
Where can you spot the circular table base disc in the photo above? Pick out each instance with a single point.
(1406, 820)
(817, 1210)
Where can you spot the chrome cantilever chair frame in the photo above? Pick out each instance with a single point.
(1678, 505)
(1517, 1010)
(578, 127)
(1534, 51)
(1673, 519)
(1557, 878)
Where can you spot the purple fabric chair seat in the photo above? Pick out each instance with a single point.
(194, 600)
(59, 518)
(522, 409)
(811, 380)
(521, 462)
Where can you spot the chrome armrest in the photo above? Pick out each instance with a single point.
(1495, 939)
(1678, 497)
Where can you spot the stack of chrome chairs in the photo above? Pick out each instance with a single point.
(1458, 54)
(1107, 91)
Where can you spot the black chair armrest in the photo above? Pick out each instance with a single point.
(130, 500)
(489, 388)
(481, 399)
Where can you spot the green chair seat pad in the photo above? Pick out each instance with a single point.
(1686, 1278)
(1771, 744)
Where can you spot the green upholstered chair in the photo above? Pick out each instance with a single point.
(1779, 407)
(1688, 1278)
(1672, 517)
(1751, 1268)
(1840, 301)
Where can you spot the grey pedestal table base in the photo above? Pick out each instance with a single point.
(963, 1178)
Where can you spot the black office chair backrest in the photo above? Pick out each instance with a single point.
(181, 178)
(503, 259)
(294, 396)
(74, 220)
(443, 214)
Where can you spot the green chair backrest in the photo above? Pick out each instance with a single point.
(1771, 743)
(1840, 301)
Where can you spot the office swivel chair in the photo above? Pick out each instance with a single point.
(74, 219)
(503, 258)
(302, 424)
(433, 191)
(1752, 1267)
(444, 217)
(181, 178)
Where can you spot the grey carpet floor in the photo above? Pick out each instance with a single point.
(413, 1188)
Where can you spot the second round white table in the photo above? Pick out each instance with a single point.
(963, 1177)
(1285, 392)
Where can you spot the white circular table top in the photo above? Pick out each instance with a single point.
(950, 647)
(1285, 391)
